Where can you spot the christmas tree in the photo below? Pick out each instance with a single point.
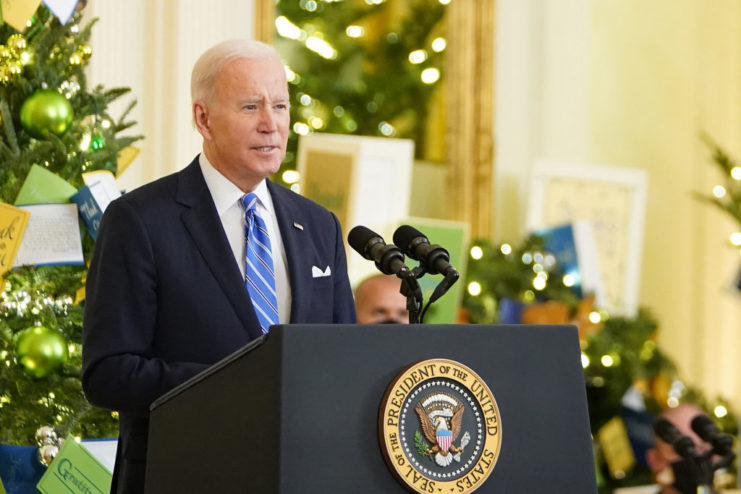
(361, 67)
(524, 283)
(51, 121)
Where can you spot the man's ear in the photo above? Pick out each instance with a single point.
(201, 119)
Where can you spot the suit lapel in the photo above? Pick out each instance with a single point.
(292, 224)
(203, 223)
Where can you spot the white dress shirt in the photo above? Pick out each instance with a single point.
(227, 199)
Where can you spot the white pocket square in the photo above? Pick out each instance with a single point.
(318, 273)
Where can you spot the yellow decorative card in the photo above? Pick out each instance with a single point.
(13, 223)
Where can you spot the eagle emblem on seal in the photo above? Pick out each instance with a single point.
(440, 416)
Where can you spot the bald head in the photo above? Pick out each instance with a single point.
(662, 455)
(378, 300)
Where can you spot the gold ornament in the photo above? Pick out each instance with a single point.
(47, 453)
(5, 53)
(15, 68)
(26, 57)
(85, 50)
(75, 59)
(4, 74)
(17, 43)
(46, 435)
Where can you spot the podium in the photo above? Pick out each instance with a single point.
(298, 410)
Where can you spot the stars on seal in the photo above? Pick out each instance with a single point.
(412, 455)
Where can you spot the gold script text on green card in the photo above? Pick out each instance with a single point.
(75, 469)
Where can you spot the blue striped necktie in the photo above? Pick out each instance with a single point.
(259, 277)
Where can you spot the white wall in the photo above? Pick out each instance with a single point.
(632, 84)
(151, 46)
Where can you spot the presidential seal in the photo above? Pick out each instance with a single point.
(439, 428)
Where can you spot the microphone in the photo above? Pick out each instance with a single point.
(668, 433)
(389, 259)
(708, 432)
(434, 258)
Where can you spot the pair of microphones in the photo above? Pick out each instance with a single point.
(695, 469)
(704, 427)
(389, 258)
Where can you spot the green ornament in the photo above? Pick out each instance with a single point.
(46, 111)
(40, 350)
(97, 142)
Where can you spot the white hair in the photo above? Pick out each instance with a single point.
(213, 60)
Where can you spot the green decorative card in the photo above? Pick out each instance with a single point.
(75, 469)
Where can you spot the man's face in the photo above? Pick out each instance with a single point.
(381, 302)
(245, 122)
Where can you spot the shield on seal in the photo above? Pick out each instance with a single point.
(444, 438)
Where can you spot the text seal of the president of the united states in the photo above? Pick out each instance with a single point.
(439, 427)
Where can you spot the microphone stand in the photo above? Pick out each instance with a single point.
(697, 470)
(411, 290)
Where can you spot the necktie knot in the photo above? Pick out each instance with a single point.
(249, 201)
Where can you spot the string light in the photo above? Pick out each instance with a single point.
(321, 47)
(290, 176)
(430, 76)
(288, 29)
(736, 239)
(386, 129)
(736, 172)
(719, 191)
(439, 44)
(720, 411)
(477, 252)
(505, 249)
(301, 128)
(584, 360)
(417, 56)
(355, 31)
(291, 76)
(474, 288)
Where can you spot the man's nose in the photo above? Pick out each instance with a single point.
(267, 121)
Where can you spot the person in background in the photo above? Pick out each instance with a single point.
(661, 457)
(378, 300)
(191, 267)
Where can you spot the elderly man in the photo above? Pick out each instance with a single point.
(193, 266)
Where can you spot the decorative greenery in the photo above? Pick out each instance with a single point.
(50, 56)
(352, 68)
(618, 352)
(728, 199)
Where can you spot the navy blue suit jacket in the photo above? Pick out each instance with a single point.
(166, 299)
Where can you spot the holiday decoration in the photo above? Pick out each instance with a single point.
(46, 435)
(49, 118)
(46, 111)
(726, 195)
(361, 67)
(40, 350)
(520, 284)
(49, 443)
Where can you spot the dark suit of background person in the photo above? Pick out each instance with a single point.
(165, 295)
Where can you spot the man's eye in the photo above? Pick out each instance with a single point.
(250, 107)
